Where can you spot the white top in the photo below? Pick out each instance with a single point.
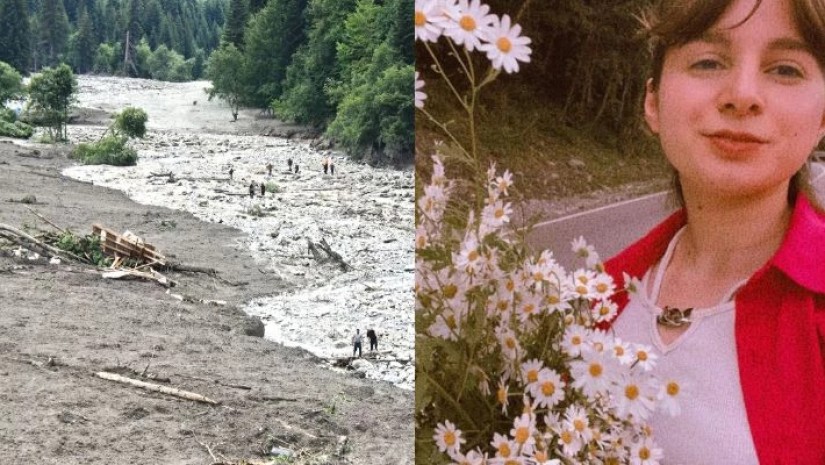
(712, 427)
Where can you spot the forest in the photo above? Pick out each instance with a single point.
(342, 66)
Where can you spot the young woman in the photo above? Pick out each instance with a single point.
(733, 294)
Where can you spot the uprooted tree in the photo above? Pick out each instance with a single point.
(111, 149)
(51, 93)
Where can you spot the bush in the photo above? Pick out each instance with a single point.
(272, 187)
(111, 150)
(131, 122)
(11, 83)
(16, 129)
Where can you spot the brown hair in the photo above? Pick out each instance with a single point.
(673, 23)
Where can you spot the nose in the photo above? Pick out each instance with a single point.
(741, 95)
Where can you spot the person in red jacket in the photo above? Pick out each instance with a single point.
(732, 294)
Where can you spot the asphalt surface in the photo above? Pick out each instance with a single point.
(612, 228)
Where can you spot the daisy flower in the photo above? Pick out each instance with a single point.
(644, 357)
(574, 339)
(468, 259)
(505, 448)
(472, 457)
(523, 432)
(420, 96)
(634, 396)
(504, 182)
(540, 457)
(583, 281)
(645, 452)
(569, 441)
(503, 395)
(593, 375)
(496, 214)
(447, 325)
(428, 17)
(605, 310)
(448, 438)
(529, 306)
(510, 346)
(603, 286)
(669, 394)
(530, 370)
(622, 352)
(631, 284)
(506, 45)
(584, 250)
(469, 24)
(577, 417)
(547, 390)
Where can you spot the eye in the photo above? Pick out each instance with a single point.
(787, 71)
(706, 64)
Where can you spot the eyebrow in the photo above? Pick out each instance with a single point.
(781, 43)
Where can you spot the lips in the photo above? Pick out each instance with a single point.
(735, 143)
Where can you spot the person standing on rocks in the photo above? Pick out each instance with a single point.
(356, 343)
(269, 169)
(231, 172)
(289, 164)
(325, 165)
(252, 190)
(373, 339)
(296, 168)
(263, 189)
(331, 166)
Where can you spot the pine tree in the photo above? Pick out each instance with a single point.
(85, 44)
(14, 34)
(272, 37)
(54, 30)
(233, 29)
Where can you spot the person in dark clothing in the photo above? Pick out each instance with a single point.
(252, 190)
(289, 164)
(331, 166)
(373, 339)
(296, 168)
(326, 167)
(269, 168)
(231, 171)
(263, 189)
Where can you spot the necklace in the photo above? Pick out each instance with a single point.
(673, 317)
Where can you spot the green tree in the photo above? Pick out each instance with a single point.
(168, 65)
(225, 69)
(54, 31)
(51, 93)
(233, 29)
(314, 65)
(14, 34)
(272, 37)
(83, 44)
(11, 83)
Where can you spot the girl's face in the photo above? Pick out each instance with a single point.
(739, 109)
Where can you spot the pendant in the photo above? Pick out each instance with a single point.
(673, 317)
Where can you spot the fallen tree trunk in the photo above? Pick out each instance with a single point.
(156, 388)
(24, 240)
(315, 248)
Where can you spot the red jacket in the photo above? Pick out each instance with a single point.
(780, 335)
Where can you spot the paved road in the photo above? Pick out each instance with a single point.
(612, 228)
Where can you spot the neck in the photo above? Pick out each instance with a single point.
(733, 236)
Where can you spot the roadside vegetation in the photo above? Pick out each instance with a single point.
(111, 149)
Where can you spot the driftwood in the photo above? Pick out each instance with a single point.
(315, 248)
(25, 240)
(151, 275)
(156, 388)
(50, 223)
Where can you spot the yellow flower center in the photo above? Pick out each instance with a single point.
(601, 287)
(502, 305)
(538, 276)
(532, 376)
(504, 44)
(631, 392)
(511, 462)
(583, 279)
(672, 388)
(603, 310)
(548, 388)
(595, 370)
(522, 433)
(566, 437)
(553, 299)
(529, 308)
(472, 256)
(504, 450)
(581, 290)
(578, 424)
(450, 290)
(644, 453)
(612, 461)
(641, 355)
(499, 213)
(420, 19)
(540, 456)
(576, 340)
(449, 438)
(421, 242)
(467, 23)
(450, 320)
(510, 343)
(619, 350)
(598, 346)
(501, 395)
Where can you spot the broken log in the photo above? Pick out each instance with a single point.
(315, 249)
(24, 240)
(156, 388)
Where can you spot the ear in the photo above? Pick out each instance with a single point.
(652, 107)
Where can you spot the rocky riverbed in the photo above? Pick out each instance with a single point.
(365, 214)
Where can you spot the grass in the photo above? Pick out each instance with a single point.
(549, 159)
